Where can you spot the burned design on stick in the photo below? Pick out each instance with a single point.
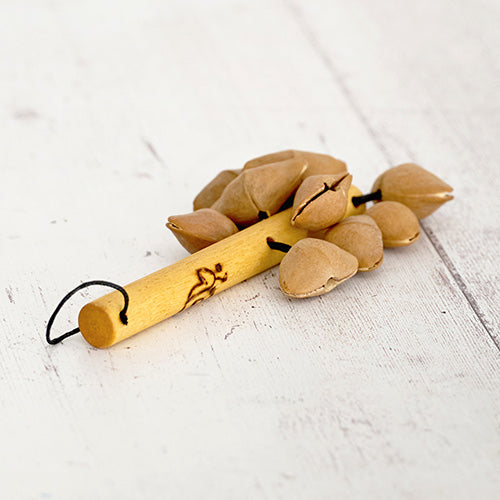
(206, 285)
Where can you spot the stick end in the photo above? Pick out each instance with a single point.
(96, 326)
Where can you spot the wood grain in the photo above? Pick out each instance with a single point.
(113, 117)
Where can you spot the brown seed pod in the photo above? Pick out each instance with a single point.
(320, 201)
(317, 163)
(314, 267)
(350, 210)
(269, 158)
(201, 228)
(399, 225)
(360, 236)
(260, 190)
(212, 191)
(415, 187)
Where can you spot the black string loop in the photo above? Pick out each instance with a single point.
(123, 312)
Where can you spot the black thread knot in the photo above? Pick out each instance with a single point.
(123, 312)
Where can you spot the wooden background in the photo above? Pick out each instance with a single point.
(113, 115)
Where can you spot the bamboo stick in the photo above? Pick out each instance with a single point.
(170, 290)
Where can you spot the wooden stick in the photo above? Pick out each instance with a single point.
(209, 271)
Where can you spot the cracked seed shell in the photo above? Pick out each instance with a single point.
(212, 191)
(317, 163)
(260, 189)
(360, 236)
(398, 223)
(201, 228)
(415, 187)
(320, 201)
(314, 267)
(350, 210)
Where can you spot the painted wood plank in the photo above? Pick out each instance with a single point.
(114, 118)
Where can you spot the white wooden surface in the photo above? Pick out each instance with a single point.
(113, 115)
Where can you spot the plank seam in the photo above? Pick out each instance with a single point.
(309, 35)
(459, 281)
(322, 54)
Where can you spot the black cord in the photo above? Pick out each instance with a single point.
(123, 312)
(359, 200)
(276, 245)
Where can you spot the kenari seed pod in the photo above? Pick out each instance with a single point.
(260, 190)
(201, 228)
(360, 236)
(317, 163)
(314, 267)
(399, 225)
(321, 201)
(212, 191)
(415, 187)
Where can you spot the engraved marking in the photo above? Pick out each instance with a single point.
(206, 285)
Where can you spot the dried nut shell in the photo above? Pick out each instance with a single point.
(317, 163)
(261, 189)
(212, 191)
(201, 228)
(351, 209)
(360, 236)
(415, 187)
(399, 225)
(269, 158)
(320, 201)
(313, 267)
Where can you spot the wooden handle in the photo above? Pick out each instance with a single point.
(209, 271)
